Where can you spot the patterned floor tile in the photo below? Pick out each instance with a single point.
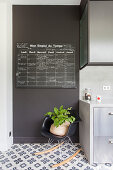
(21, 157)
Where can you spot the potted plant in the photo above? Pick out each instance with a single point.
(61, 120)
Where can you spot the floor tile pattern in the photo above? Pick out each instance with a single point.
(21, 157)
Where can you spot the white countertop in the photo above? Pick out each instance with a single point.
(103, 103)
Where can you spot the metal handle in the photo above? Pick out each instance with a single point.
(111, 113)
(111, 141)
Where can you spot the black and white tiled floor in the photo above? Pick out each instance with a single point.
(21, 157)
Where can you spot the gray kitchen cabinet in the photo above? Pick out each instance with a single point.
(101, 31)
(103, 149)
(99, 47)
(103, 121)
(96, 131)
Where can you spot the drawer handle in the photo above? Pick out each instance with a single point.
(111, 113)
(111, 141)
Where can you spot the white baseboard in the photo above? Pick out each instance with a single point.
(4, 146)
(10, 142)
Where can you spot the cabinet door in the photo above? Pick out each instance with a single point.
(103, 149)
(101, 31)
(84, 38)
(103, 121)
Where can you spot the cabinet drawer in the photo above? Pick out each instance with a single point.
(103, 121)
(103, 149)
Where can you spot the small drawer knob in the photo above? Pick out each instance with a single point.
(111, 141)
(111, 113)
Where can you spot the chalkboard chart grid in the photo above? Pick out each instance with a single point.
(45, 65)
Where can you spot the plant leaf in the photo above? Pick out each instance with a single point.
(73, 118)
(56, 122)
(53, 118)
(48, 114)
(70, 119)
(69, 108)
(61, 121)
(56, 110)
(67, 112)
(61, 107)
(62, 111)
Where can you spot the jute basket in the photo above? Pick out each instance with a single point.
(61, 130)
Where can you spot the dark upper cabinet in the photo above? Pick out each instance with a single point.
(96, 34)
(84, 38)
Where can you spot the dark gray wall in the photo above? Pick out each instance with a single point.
(46, 24)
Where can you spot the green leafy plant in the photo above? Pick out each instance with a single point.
(59, 116)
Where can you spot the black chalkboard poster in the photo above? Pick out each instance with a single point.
(45, 65)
